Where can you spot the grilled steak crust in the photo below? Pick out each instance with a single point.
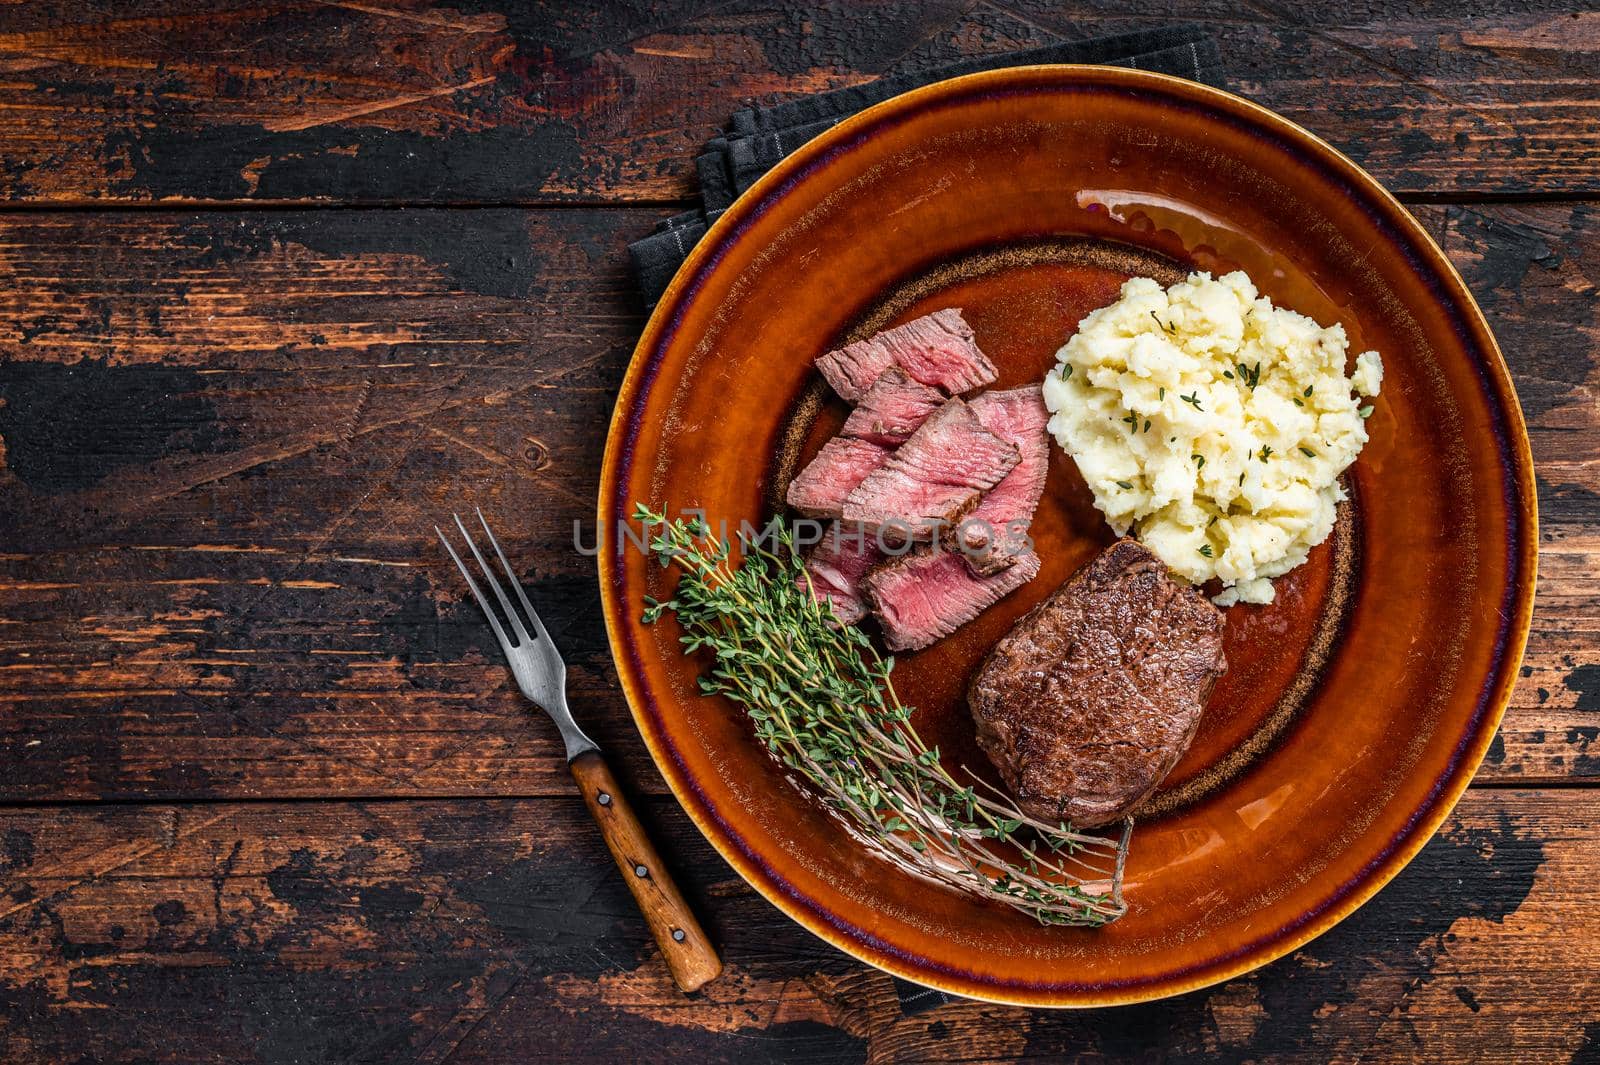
(1091, 700)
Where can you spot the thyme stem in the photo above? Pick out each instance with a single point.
(821, 700)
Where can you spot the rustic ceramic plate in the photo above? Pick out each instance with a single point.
(1357, 706)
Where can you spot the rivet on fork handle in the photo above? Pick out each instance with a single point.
(683, 943)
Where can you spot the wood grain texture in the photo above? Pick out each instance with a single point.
(228, 436)
(688, 954)
(404, 101)
(267, 415)
(496, 931)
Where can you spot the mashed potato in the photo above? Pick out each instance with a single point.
(1213, 424)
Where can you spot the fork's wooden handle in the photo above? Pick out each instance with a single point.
(689, 953)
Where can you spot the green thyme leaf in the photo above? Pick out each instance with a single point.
(820, 698)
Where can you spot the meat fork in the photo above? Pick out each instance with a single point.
(542, 675)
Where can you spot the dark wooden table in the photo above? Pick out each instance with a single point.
(284, 283)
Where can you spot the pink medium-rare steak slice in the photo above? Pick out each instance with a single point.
(934, 478)
(892, 409)
(928, 594)
(819, 490)
(1090, 701)
(837, 565)
(936, 349)
(993, 532)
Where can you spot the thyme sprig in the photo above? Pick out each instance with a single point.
(822, 701)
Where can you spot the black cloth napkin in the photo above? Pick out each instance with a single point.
(758, 137)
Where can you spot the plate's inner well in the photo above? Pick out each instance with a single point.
(1023, 302)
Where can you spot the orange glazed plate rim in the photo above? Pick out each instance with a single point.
(1456, 775)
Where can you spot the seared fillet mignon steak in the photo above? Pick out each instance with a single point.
(936, 349)
(926, 595)
(934, 478)
(1091, 700)
(836, 568)
(820, 490)
(912, 460)
(893, 408)
(986, 535)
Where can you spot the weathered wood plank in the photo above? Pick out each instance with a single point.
(258, 420)
(1534, 272)
(498, 931)
(227, 438)
(404, 101)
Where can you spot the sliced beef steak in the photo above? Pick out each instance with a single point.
(934, 478)
(819, 490)
(926, 595)
(994, 531)
(1091, 700)
(837, 567)
(936, 349)
(893, 408)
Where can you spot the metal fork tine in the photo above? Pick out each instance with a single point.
(494, 622)
(533, 615)
(499, 592)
